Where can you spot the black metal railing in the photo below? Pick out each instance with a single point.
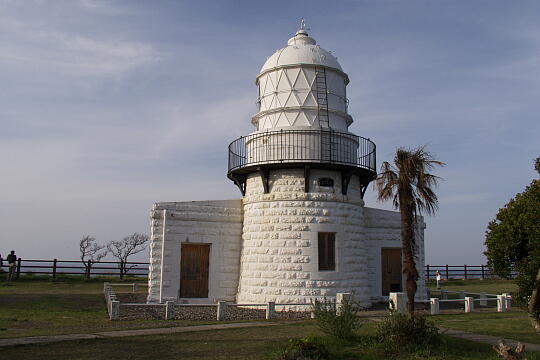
(302, 146)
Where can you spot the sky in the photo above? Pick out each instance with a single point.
(107, 107)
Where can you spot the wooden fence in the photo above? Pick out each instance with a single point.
(461, 272)
(56, 267)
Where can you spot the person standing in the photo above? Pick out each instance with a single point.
(12, 264)
(438, 277)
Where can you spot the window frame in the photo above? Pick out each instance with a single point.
(326, 251)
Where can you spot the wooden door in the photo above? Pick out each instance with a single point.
(194, 270)
(391, 271)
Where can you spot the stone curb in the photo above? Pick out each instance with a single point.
(123, 333)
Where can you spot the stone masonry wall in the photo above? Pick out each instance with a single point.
(279, 255)
(218, 223)
(383, 230)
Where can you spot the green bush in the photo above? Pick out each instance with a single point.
(407, 331)
(342, 326)
(308, 348)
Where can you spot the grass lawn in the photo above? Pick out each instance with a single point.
(244, 344)
(513, 325)
(43, 307)
(490, 286)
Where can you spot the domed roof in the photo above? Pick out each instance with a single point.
(301, 49)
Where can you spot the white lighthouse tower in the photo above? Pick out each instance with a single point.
(302, 175)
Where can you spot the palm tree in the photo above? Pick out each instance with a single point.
(410, 186)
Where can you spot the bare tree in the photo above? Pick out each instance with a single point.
(91, 252)
(122, 249)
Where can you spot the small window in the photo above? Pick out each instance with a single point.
(327, 251)
(326, 182)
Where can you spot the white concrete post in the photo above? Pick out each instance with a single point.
(169, 310)
(115, 310)
(270, 310)
(508, 301)
(434, 306)
(501, 303)
(221, 305)
(341, 299)
(398, 302)
(483, 299)
(469, 304)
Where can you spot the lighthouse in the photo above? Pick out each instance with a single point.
(300, 230)
(302, 175)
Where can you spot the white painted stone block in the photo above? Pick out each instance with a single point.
(115, 310)
(221, 309)
(434, 306)
(501, 303)
(169, 310)
(398, 302)
(469, 304)
(508, 301)
(341, 300)
(270, 310)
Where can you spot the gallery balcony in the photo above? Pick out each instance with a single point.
(322, 149)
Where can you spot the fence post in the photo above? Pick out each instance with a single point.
(18, 268)
(447, 276)
(221, 305)
(465, 270)
(469, 304)
(398, 302)
(341, 299)
(427, 272)
(270, 310)
(122, 269)
(483, 299)
(434, 306)
(134, 287)
(507, 301)
(169, 310)
(89, 270)
(54, 269)
(482, 272)
(501, 303)
(115, 310)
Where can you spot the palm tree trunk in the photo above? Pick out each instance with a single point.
(534, 305)
(408, 248)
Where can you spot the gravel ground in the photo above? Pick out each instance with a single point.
(142, 312)
(244, 313)
(195, 312)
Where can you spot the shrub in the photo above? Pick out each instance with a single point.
(404, 330)
(341, 326)
(307, 348)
